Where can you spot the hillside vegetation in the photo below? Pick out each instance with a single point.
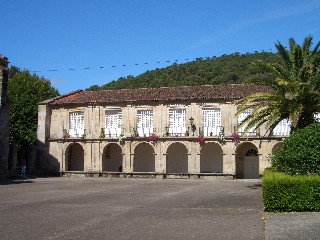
(226, 69)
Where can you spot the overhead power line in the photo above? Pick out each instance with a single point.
(103, 67)
(135, 64)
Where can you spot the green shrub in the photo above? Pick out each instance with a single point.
(285, 193)
(300, 154)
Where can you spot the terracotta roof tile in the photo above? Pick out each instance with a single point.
(205, 92)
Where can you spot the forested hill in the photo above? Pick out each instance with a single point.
(234, 68)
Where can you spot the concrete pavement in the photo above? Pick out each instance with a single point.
(106, 208)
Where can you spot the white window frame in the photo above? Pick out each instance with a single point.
(241, 118)
(113, 123)
(211, 121)
(177, 121)
(76, 124)
(145, 122)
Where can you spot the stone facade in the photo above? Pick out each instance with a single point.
(167, 154)
(4, 116)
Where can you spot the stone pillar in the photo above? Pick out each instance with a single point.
(4, 115)
(43, 133)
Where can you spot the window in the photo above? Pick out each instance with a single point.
(76, 128)
(251, 152)
(241, 118)
(283, 128)
(316, 117)
(211, 121)
(113, 123)
(177, 122)
(145, 122)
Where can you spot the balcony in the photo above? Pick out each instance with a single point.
(212, 131)
(281, 131)
(110, 132)
(145, 132)
(177, 131)
(75, 133)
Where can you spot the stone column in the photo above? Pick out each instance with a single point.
(43, 133)
(4, 115)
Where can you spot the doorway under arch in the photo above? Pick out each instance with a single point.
(177, 158)
(247, 161)
(144, 159)
(211, 158)
(112, 158)
(74, 158)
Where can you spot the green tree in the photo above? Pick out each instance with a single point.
(294, 88)
(25, 91)
(233, 68)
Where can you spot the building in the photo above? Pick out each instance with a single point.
(4, 118)
(156, 132)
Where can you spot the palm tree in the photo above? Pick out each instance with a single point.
(294, 89)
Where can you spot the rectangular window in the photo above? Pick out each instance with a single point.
(145, 122)
(211, 121)
(177, 122)
(241, 118)
(76, 123)
(113, 125)
(283, 128)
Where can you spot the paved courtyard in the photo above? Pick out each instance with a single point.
(104, 208)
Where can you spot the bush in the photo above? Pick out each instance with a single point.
(284, 193)
(300, 154)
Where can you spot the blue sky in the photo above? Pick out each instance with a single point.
(92, 36)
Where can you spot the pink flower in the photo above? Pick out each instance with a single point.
(154, 138)
(200, 139)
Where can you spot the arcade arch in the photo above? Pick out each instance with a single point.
(112, 158)
(144, 158)
(211, 158)
(177, 158)
(74, 157)
(247, 161)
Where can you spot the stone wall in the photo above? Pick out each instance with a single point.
(4, 116)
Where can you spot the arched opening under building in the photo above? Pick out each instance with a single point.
(211, 158)
(74, 157)
(144, 159)
(247, 161)
(112, 158)
(177, 158)
(277, 146)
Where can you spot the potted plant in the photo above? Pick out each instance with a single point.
(135, 132)
(121, 138)
(235, 138)
(154, 138)
(102, 134)
(200, 138)
(222, 136)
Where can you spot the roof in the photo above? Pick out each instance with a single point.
(204, 92)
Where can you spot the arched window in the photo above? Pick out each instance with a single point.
(251, 152)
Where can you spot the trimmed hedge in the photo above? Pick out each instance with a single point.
(284, 193)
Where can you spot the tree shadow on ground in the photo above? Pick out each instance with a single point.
(18, 180)
(255, 186)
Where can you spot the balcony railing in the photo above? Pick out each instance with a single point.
(112, 132)
(177, 131)
(76, 133)
(281, 130)
(211, 131)
(145, 132)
